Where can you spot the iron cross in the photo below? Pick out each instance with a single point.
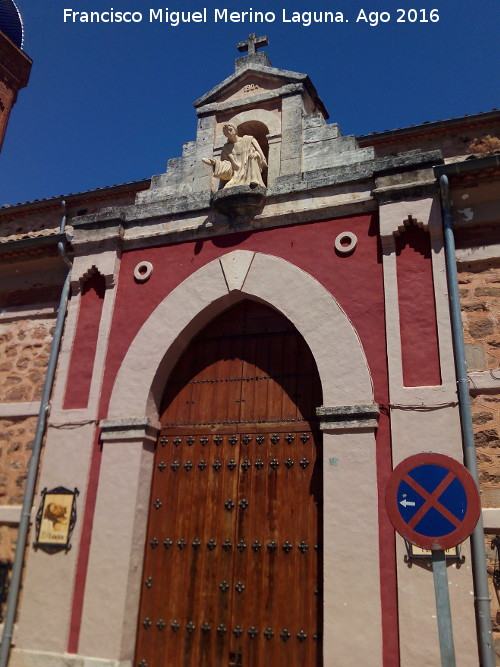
(253, 43)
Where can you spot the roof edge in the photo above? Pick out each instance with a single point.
(8, 209)
(467, 166)
(434, 126)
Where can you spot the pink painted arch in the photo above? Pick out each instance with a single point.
(333, 340)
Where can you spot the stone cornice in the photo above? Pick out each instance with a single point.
(250, 100)
(133, 428)
(338, 191)
(348, 417)
(417, 189)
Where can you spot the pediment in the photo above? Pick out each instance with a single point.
(251, 83)
(253, 80)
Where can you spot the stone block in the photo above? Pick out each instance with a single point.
(481, 417)
(488, 291)
(474, 357)
(488, 437)
(490, 495)
(320, 133)
(291, 165)
(314, 120)
(330, 154)
(347, 417)
(481, 328)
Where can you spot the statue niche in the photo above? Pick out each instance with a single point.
(241, 169)
(242, 160)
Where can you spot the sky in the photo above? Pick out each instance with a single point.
(110, 103)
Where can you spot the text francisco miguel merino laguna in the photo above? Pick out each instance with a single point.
(175, 18)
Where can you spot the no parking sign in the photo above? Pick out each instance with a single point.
(432, 501)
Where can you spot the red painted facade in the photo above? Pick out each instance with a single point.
(82, 359)
(417, 309)
(355, 281)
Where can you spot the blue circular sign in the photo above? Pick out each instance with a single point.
(432, 501)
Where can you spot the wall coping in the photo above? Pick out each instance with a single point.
(348, 417)
(132, 428)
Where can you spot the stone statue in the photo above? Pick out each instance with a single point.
(241, 161)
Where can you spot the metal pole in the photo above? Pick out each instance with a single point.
(31, 478)
(479, 573)
(443, 611)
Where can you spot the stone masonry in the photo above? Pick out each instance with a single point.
(480, 299)
(480, 293)
(24, 354)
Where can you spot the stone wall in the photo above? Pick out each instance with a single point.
(24, 355)
(16, 444)
(486, 422)
(480, 298)
(480, 294)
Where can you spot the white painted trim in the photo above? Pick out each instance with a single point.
(441, 300)
(108, 265)
(23, 658)
(491, 518)
(20, 313)
(64, 358)
(10, 514)
(351, 572)
(20, 409)
(66, 462)
(392, 216)
(484, 381)
(109, 621)
(479, 254)
(392, 325)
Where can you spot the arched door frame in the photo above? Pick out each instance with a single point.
(351, 566)
(197, 300)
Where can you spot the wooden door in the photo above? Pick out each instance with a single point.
(232, 572)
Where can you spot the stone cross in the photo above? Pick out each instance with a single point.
(252, 44)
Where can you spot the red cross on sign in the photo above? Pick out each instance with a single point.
(432, 501)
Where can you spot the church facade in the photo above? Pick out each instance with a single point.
(253, 341)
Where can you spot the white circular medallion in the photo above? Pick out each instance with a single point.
(345, 242)
(143, 271)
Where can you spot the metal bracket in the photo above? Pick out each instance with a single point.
(415, 554)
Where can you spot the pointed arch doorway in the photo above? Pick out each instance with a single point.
(233, 572)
